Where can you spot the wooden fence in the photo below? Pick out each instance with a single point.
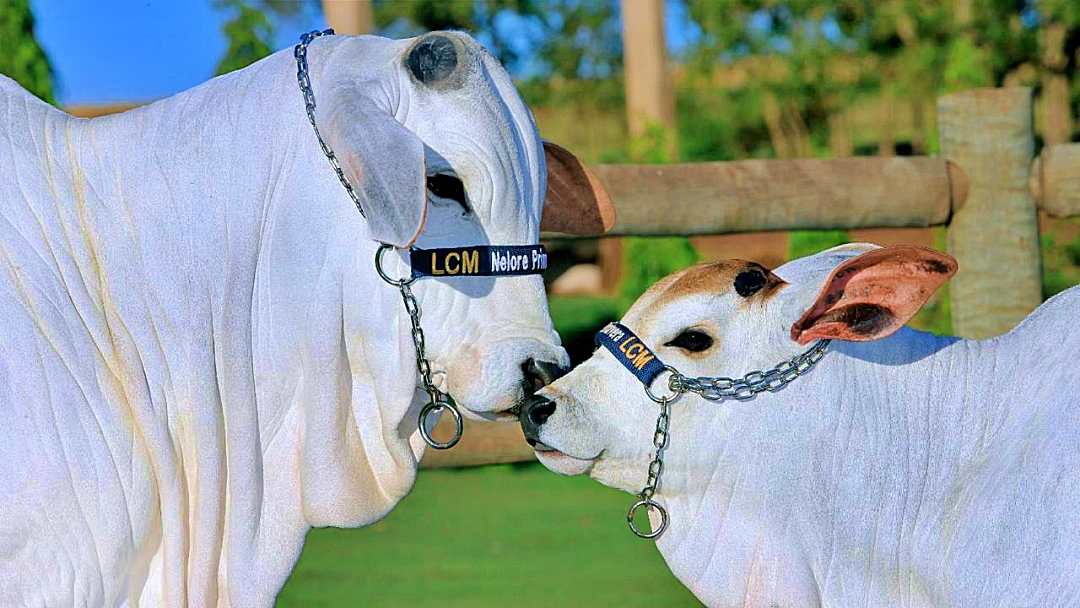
(986, 187)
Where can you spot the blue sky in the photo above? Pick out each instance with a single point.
(108, 51)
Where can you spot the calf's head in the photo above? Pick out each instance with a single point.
(442, 152)
(720, 319)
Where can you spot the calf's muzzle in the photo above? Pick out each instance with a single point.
(534, 414)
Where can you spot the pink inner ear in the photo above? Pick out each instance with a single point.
(872, 295)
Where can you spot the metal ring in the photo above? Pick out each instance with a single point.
(383, 275)
(648, 503)
(666, 398)
(438, 406)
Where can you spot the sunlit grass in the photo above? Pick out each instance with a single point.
(503, 535)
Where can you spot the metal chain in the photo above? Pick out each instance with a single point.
(718, 387)
(660, 441)
(656, 467)
(439, 400)
(713, 389)
(302, 77)
(422, 364)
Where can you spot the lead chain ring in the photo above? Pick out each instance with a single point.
(656, 467)
(439, 401)
(713, 389)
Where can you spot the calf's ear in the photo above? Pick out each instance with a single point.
(870, 296)
(382, 160)
(576, 201)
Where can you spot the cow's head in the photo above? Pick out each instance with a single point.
(720, 319)
(442, 152)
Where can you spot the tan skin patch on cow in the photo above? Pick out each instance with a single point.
(718, 278)
(710, 278)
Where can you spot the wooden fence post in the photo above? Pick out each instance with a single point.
(995, 234)
(649, 95)
(349, 16)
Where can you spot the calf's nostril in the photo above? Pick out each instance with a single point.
(539, 410)
(541, 373)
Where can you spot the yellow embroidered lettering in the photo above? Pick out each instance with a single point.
(435, 264)
(642, 359)
(453, 256)
(470, 264)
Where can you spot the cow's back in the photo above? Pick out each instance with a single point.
(69, 455)
(1024, 487)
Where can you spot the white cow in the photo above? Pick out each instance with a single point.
(198, 362)
(903, 470)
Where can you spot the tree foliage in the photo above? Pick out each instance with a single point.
(249, 34)
(21, 58)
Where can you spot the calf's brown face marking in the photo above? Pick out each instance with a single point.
(715, 278)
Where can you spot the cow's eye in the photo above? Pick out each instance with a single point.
(693, 340)
(449, 187)
(749, 282)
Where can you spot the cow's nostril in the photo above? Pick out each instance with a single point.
(539, 410)
(541, 373)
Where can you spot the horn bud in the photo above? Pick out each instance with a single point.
(432, 59)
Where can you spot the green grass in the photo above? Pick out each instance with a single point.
(802, 243)
(506, 535)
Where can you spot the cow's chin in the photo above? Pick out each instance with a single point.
(561, 462)
(505, 409)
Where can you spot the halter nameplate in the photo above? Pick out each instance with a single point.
(631, 351)
(479, 261)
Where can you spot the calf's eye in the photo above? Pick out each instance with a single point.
(692, 340)
(749, 282)
(449, 187)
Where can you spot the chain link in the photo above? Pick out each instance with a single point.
(439, 400)
(304, 80)
(660, 441)
(744, 388)
(422, 363)
(713, 388)
(656, 468)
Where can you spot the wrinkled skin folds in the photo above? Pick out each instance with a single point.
(198, 360)
(904, 470)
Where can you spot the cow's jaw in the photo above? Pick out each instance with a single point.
(561, 462)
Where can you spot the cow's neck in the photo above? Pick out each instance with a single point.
(218, 251)
(816, 484)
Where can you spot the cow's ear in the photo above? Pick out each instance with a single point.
(872, 295)
(576, 201)
(382, 160)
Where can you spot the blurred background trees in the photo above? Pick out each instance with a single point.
(744, 79)
(21, 58)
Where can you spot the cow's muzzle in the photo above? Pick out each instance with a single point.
(534, 414)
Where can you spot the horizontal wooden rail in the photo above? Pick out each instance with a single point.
(806, 194)
(481, 443)
(1055, 180)
(756, 195)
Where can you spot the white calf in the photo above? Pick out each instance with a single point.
(903, 470)
(198, 362)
